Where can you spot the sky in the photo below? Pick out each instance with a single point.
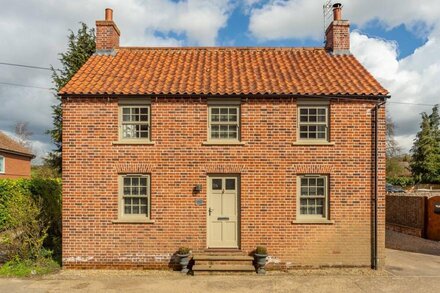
(398, 41)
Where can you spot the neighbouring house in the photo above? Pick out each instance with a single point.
(15, 159)
(221, 149)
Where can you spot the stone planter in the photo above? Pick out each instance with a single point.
(260, 261)
(184, 261)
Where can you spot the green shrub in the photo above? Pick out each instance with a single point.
(183, 250)
(30, 217)
(261, 250)
(401, 181)
(23, 231)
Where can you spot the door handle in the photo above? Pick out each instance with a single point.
(210, 211)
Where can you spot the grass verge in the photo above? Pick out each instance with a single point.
(27, 268)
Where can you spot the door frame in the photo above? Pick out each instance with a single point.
(238, 202)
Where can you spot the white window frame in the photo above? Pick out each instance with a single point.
(237, 123)
(326, 123)
(121, 196)
(134, 103)
(326, 201)
(3, 165)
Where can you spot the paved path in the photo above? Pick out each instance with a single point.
(405, 272)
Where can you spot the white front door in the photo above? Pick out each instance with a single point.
(223, 211)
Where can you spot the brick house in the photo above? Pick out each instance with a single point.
(221, 150)
(15, 160)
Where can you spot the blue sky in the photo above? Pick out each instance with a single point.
(396, 40)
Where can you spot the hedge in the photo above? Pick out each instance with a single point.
(45, 191)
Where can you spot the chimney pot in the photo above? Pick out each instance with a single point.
(108, 14)
(337, 11)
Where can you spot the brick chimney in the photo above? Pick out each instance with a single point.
(338, 33)
(107, 33)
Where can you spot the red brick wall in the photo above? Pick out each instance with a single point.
(107, 35)
(268, 165)
(16, 166)
(338, 36)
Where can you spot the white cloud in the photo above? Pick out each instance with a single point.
(281, 19)
(35, 31)
(413, 79)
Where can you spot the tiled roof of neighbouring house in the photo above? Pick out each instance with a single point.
(223, 71)
(9, 145)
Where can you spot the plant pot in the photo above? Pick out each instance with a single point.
(260, 260)
(184, 261)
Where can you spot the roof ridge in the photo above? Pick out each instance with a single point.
(223, 48)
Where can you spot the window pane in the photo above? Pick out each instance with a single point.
(312, 118)
(304, 191)
(303, 111)
(312, 111)
(216, 184)
(127, 181)
(143, 181)
(321, 111)
(320, 181)
(143, 191)
(230, 184)
(312, 182)
(144, 110)
(215, 111)
(134, 181)
(126, 190)
(224, 111)
(304, 181)
(233, 111)
(304, 118)
(320, 191)
(215, 118)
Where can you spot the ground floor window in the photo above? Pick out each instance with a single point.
(134, 195)
(313, 196)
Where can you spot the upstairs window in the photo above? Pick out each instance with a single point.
(313, 123)
(2, 164)
(224, 123)
(135, 122)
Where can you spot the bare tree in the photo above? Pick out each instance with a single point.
(392, 147)
(23, 133)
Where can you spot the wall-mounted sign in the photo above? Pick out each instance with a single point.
(199, 201)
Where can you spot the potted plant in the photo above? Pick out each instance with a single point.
(260, 259)
(183, 254)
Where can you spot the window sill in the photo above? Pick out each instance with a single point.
(224, 143)
(141, 142)
(314, 143)
(313, 221)
(133, 221)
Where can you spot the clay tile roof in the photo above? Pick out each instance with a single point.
(9, 145)
(223, 71)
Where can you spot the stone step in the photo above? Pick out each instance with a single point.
(223, 257)
(223, 268)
